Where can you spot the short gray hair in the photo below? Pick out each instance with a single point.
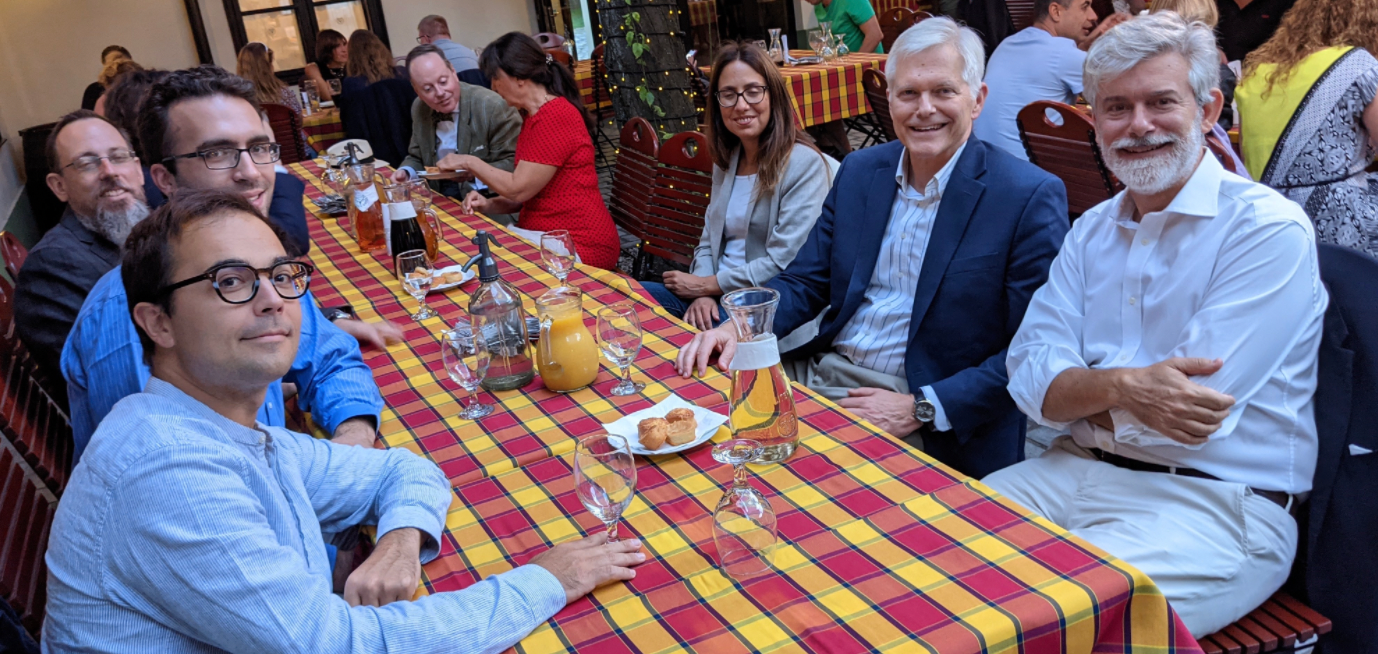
(1139, 39)
(936, 31)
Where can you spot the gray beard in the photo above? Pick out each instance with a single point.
(115, 224)
(1157, 174)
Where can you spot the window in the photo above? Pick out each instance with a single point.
(289, 27)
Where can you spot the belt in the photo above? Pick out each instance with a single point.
(1279, 498)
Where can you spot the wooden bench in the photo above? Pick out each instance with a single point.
(1278, 626)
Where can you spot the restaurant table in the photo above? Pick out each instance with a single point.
(323, 129)
(583, 76)
(882, 548)
(822, 93)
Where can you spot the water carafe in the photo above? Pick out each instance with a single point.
(365, 206)
(761, 407)
(566, 355)
(503, 319)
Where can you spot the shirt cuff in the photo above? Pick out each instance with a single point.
(1131, 431)
(415, 517)
(940, 422)
(411, 172)
(543, 592)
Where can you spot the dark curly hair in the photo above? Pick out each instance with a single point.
(200, 82)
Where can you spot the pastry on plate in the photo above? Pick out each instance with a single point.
(653, 432)
(452, 278)
(432, 170)
(682, 426)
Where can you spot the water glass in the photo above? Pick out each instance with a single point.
(557, 253)
(414, 269)
(466, 360)
(816, 41)
(619, 336)
(744, 524)
(605, 477)
(334, 87)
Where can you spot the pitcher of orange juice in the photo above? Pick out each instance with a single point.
(566, 356)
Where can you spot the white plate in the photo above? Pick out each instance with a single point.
(326, 104)
(709, 422)
(444, 174)
(468, 275)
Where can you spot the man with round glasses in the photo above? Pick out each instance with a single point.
(93, 170)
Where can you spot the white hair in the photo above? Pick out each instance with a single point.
(933, 32)
(1139, 39)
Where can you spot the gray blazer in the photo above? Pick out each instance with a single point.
(488, 129)
(780, 223)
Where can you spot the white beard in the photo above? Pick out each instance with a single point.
(115, 224)
(1156, 174)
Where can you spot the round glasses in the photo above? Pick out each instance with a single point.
(753, 95)
(224, 158)
(237, 283)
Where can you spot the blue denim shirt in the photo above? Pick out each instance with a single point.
(183, 531)
(103, 362)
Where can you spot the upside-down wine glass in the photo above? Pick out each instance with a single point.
(744, 527)
(619, 336)
(466, 359)
(605, 477)
(415, 270)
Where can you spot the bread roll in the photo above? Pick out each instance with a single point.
(653, 432)
(682, 426)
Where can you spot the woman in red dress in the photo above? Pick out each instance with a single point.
(554, 184)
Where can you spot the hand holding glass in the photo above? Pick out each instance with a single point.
(619, 336)
(605, 477)
(414, 269)
(466, 360)
(557, 252)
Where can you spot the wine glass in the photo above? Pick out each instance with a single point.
(466, 360)
(619, 336)
(744, 527)
(557, 253)
(414, 269)
(816, 41)
(605, 477)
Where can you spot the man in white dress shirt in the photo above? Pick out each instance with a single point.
(1177, 339)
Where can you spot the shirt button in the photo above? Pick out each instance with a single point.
(1143, 241)
(1123, 358)
(1132, 300)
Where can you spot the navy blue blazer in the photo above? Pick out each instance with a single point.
(999, 225)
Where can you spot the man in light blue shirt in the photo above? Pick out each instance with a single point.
(190, 526)
(434, 30)
(1040, 62)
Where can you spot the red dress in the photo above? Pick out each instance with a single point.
(556, 136)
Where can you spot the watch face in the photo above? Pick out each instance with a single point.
(924, 411)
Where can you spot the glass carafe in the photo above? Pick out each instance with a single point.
(826, 52)
(762, 404)
(566, 355)
(408, 228)
(776, 51)
(745, 531)
(365, 207)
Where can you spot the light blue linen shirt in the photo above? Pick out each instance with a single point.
(183, 531)
(461, 58)
(103, 362)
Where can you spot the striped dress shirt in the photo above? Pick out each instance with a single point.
(103, 362)
(877, 336)
(183, 531)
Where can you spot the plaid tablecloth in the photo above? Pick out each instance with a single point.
(881, 547)
(583, 75)
(323, 129)
(703, 12)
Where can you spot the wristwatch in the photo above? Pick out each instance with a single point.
(923, 409)
(338, 313)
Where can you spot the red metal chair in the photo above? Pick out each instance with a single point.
(683, 182)
(14, 253)
(30, 419)
(286, 125)
(1068, 151)
(26, 517)
(634, 176)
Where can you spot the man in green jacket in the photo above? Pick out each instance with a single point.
(451, 118)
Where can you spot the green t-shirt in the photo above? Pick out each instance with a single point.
(847, 17)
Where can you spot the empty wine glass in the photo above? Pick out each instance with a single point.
(744, 527)
(605, 477)
(557, 253)
(816, 41)
(619, 336)
(414, 269)
(466, 361)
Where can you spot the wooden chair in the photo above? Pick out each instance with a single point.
(634, 176)
(561, 56)
(1068, 151)
(679, 199)
(548, 40)
(286, 126)
(1278, 626)
(1222, 152)
(14, 253)
(894, 21)
(877, 93)
(1021, 13)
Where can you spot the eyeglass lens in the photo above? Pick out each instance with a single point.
(91, 162)
(239, 284)
(224, 158)
(753, 95)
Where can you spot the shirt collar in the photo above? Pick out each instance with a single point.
(1200, 196)
(237, 432)
(936, 186)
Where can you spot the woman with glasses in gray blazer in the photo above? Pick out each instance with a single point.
(769, 182)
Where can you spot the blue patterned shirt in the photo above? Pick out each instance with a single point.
(103, 362)
(183, 531)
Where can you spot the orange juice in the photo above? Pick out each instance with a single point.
(567, 356)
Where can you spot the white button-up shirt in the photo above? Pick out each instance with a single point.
(877, 336)
(1228, 270)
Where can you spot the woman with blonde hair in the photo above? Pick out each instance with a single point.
(1307, 109)
(256, 65)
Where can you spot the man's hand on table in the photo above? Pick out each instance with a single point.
(588, 563)
(391, 573)
(355, 431)
(891, 411)
(696, 354)
(380, 334)
(1167, 401)
(702, 313)
(690, 286)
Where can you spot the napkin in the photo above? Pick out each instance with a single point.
(709, 422)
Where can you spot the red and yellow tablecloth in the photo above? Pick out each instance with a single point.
(882, 549)
(703, 12)
(882, 6)
(323, 129)
(822, 93)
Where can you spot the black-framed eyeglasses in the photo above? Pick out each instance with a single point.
(91, 162)
(226, 157)
(753, 95)
(237, 283)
